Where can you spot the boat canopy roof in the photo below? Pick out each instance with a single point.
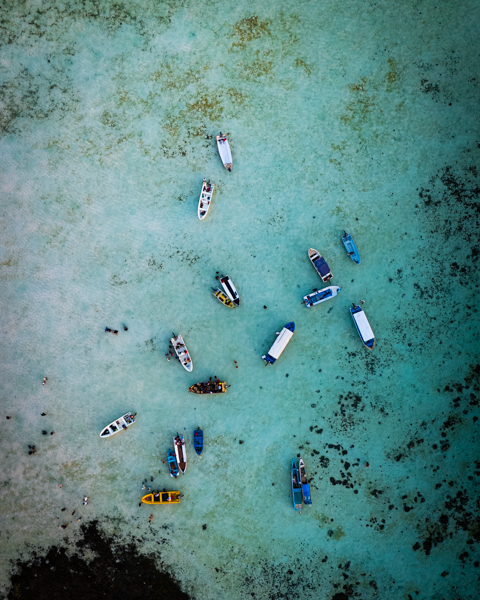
(282, 340)
(321, 266)
(363, 326)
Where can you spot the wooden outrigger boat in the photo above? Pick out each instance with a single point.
(209, 387)
(307, 499)
(320, 265)
(180, 452)
(279, 344)
(363, 327)
(224, 151)
(162, 498)
(182, 352)
(319, 296)
(198, 440)
(205, 199)
(222, 297)
(230, 289)
(118, 425)
(351, 247)
(296, 488)
(172, 463)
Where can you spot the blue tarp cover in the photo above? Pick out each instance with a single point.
(321, 266)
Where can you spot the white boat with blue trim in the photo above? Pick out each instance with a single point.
(363, 327)
(320, 265)
(319, 296)
(279, 344)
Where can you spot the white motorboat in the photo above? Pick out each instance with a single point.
(224, 151)
(279, 344)
(182, 352)
(363, 327)
(118, 425)
(319, 296)
(205, 199)
(180, 452)
(230, 289)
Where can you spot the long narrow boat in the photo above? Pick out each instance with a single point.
(182, 352)
(279, 344)
(224, 151)
(363, 327)
(162, 498)
(296, 488)
(307, 499)
(198, 440)
(230, 289)
(118, 425)
(320, 265)
(180, 452)
(222, 297)
(205, 199)
(172, 463)
(351, 248)
(322, 295)
(209, 387)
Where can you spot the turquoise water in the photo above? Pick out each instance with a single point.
(354, 116)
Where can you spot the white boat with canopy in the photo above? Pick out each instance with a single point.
(224, 151)
(205, 199)
(230, 289)
(363, 327)
(279, 344)
(182, 352)
(320, 265)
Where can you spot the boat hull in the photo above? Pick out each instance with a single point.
(162, 498)
(230, 289)
(351, 248)
(223, 298)
(296, 488)
(182, 352)
(279, 344)
(205, 199)
(209, 387)
(321, 295)
(307, 499)
(225, 152)
(363, 327)
(172, 464)
(198, 440)
(118, 425)
(320, 265)
(180, 452)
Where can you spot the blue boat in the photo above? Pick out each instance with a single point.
(351, 247)
(198, 440)
(279, 344)
(307, 499)
(296, 487)
(172, 463)
(363, 327)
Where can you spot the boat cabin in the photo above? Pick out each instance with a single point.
(363, 327)
(280, 343)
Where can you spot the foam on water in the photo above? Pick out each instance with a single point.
(340, 116)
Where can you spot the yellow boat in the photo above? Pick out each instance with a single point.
(223, 298)
(209, 387)
(162, 498)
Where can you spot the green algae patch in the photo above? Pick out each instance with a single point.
(116, 571)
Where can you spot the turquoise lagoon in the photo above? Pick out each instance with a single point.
(341, 115)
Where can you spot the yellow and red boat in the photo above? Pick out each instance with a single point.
(209, 387)
(162, 498)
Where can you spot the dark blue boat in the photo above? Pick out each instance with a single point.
(198, 440)
(172, 463)
(296, 487)
(351, 247)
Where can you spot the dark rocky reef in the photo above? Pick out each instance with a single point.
(117, 571)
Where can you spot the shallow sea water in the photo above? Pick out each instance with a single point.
(359, 116)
